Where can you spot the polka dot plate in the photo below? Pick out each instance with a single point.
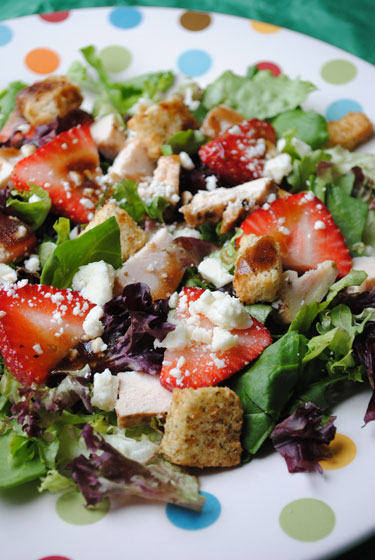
(258, 510)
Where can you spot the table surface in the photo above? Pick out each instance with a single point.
(345, 24)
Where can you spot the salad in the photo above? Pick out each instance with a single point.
(184, 274)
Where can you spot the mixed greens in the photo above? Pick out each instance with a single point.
(51, 433)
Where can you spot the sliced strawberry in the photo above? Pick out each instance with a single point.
(197, 365)
(38, 326)
(305, 230)
(17, 239)
(66, 168)
(238, 154)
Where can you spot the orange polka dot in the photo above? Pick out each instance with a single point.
(42, 61)
(343, 451)
(262, 27)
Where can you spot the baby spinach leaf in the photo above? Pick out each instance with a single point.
(266, 387)
(310, 127)
(99, 243)
(32, 213)
(7, 100)
(349, 214)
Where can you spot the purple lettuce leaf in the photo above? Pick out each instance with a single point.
(27, 412)
(364, 348)
(109, 473)
(370, 412)
(357, 302)
(132, 322)
(301, 438)
(194, 180)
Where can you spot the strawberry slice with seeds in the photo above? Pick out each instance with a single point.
(198, 364)
(305, 230)
(38, 326)
(238, 154)
(66, 167)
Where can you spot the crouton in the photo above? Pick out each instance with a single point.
(165, 181)
(203, 428)
(296, 290)
(258, 270)
(155, 124)
(228, 205)
(219, 119)
(132, 237)
(350, 131)
(44, 101)
(17, 239)
(132, 162)
(108, 135)
(140, 398)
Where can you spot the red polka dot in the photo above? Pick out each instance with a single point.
(54, 558)
(271, 66)
(55, 17)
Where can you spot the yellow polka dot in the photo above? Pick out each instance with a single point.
(42, 61)
(343, 451)
(262, 27)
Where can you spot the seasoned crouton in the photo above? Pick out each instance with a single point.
(350, 131)
(165, 181)
(258, 270)
(16, 239)
(132, 162)
(203, 428)
(108, 135)
(228, 205)
(219, 119)
(296, 291)
(155, 124)
(132, 237)
(44, 101)
(140, 398)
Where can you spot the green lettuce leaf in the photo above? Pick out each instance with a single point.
(7, 100)
(345, 160)
(188, 141)
(262, 96)
(309, 126)
(127, 197)
(349, 214)
(304, 169)
(99, 243)
(32, 213)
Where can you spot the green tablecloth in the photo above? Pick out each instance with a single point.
(344, 23)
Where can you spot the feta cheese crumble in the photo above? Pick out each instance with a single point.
(278, 167)
(95, 282)
(214, 271)
(92, 325)
(105, 390)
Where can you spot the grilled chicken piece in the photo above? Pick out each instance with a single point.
(228, 205)
(16, 239)
(219, 119)
(140, 398)
(132, 162)
(161, 263)
(368, 265)
(165, 181)
(297, 291)
(108, 135)
(44, 101)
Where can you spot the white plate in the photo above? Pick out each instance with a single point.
(252, 497)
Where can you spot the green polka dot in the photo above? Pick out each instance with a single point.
(115, 58)
(307, 519)
(338, 71)
(70, 507)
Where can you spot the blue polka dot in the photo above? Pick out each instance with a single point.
(192, 520)
(126, 17)
(341, 108)
(194, 63)
(5, 35)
